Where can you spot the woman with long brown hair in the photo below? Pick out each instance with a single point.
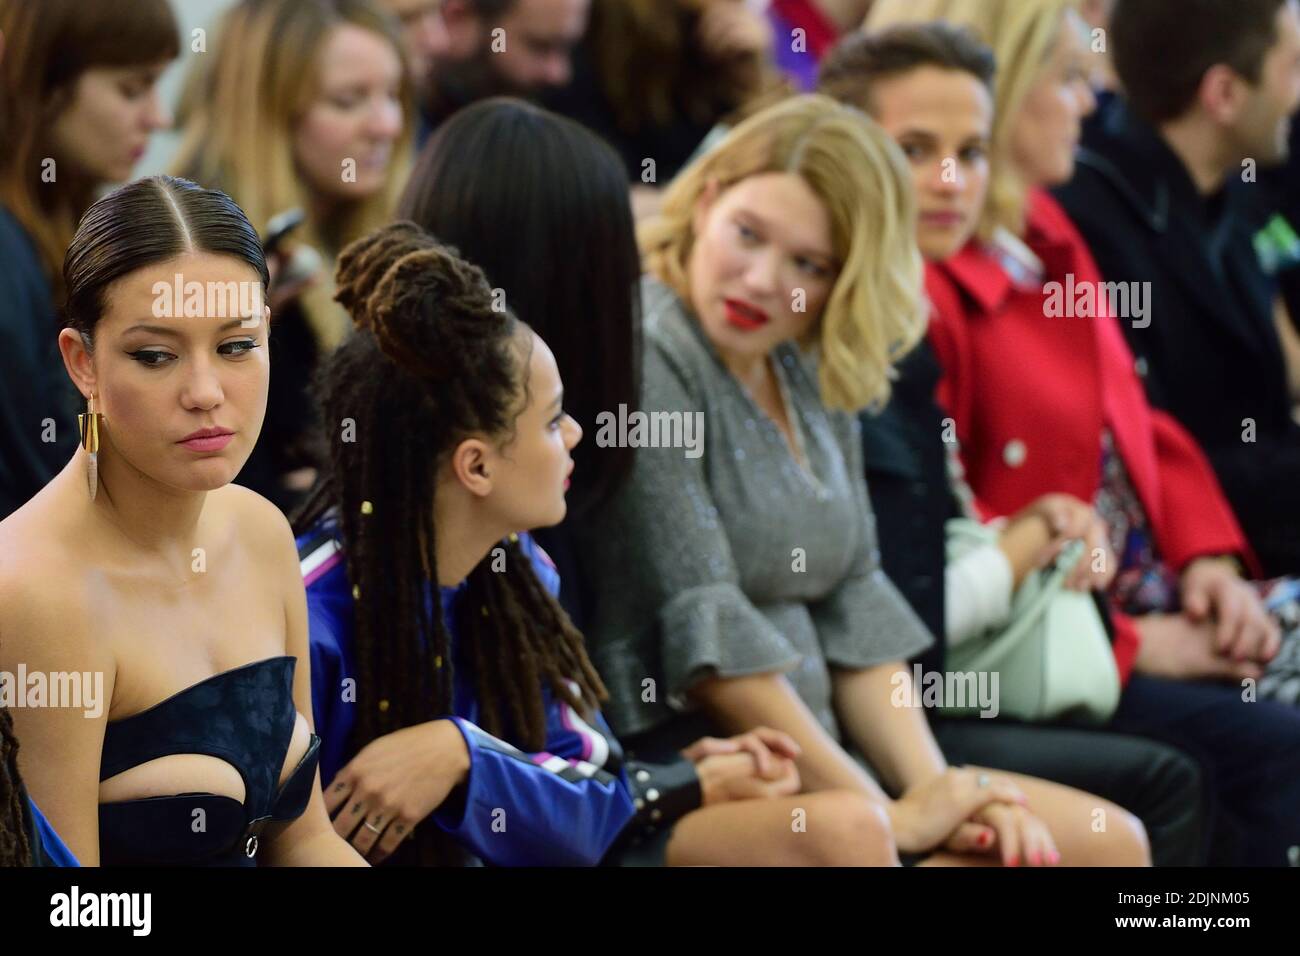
(77, 106)
(654, 77)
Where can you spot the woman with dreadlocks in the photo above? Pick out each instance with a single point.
(26, 837)
(476, 729)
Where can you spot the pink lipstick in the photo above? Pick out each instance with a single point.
(207, 439)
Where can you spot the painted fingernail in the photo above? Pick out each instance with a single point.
(1053, 858)
(1013, 860)
(985, 838)
(1035, 859)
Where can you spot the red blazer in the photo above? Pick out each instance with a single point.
(1030, 394)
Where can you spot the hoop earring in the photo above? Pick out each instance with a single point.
(88, 426)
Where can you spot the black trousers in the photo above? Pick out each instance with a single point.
(1248, 750)
(1159, 784)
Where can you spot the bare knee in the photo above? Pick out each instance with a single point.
(1131, 847)
(846, 829)
(1121, 842)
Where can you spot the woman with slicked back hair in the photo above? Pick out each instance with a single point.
(170, 597)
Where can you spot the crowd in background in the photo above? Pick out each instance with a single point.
(656, 432)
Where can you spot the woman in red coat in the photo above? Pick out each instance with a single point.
(1045, 402)
(1045, 396)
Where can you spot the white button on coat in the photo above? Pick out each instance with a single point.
(1014, 453)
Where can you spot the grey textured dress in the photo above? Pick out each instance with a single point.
(738, 560)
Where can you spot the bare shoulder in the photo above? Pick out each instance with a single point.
(259, 524)
(45, 587)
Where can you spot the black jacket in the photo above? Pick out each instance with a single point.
(38, 404)
(907, 477)
(1210, 354)
(290, 438)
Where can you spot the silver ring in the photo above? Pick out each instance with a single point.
(982, 780)
(372, 828)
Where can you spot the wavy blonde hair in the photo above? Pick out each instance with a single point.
(875, 312)
(238, 112)
(1023, 34)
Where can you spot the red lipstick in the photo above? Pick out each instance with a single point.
(744, 316)
(943, 219)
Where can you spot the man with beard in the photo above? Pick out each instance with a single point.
(425, 36)
(502, 48)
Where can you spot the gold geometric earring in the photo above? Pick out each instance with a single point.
(88, 426)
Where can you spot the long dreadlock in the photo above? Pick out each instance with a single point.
(14, 848)
(430, 363)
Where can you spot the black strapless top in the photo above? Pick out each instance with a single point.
(245, 717)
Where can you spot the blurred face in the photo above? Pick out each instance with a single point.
(539, 40)
(425, 34)
(110, 112)
(343, 143)
(762, 264)
(1264, 125)
(942, 120)
(183, 396)
(530, 474)
(1047, 127)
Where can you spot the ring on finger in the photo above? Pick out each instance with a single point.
(374, 828)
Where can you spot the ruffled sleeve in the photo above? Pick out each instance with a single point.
(671, 609)
(714, 629)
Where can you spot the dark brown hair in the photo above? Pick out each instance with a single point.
(652, 69)
(491, 11)
(48, 45)
(556, 234)
(1162, 49)
(14, 848)
(429, 363)
(860, 60)
(145, 222)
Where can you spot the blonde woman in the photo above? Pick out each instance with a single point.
(738, 582)
(301, 105)
(1045, 405)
